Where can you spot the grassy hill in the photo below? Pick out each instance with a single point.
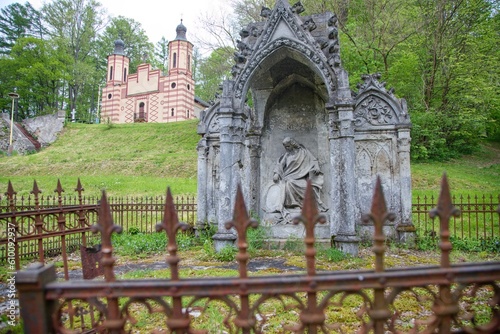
(126, 159)
(143, 159)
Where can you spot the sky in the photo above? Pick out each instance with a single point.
(158, 18)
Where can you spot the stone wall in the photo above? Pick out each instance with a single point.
(45, 129)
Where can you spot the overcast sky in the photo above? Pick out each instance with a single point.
(158, 18)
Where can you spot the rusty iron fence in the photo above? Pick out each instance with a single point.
(51, 225)
(478, 219)
(376, 300)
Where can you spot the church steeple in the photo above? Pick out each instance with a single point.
(180, 52)
(181, 32)
(118, 64)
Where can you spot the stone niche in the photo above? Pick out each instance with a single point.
(289, 115)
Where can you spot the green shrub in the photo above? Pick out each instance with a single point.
(226, 254)
(333, 254)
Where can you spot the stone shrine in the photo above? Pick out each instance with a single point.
(288, 115)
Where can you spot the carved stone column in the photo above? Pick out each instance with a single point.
(343, 154)
(406, 230)
(225, 237)
(202, 185)
(255, 150)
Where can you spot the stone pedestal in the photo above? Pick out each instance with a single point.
(222, 240)
(348, 244)
(407, 235)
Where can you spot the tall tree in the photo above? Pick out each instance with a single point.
(38, 73)
(137, 45)
(211, 73)
(74, 25)
(161, 54)
(17, 21)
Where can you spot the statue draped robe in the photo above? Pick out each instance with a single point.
(294, 169)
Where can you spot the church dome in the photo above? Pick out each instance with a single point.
(119, 47)
(181, 32)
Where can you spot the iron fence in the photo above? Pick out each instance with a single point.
(45, 225)
(478, 218)
(446, 295)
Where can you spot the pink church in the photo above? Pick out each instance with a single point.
(149, 96)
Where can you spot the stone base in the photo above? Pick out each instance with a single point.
(292, 231)
(297, 244)
(348, 244)
(367, 231)
(222, 240)
(407, 234)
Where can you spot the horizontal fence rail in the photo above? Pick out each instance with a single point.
(446, 296)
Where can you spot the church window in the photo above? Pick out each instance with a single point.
(173, 85)
(110, 96)
(141, 110)
(125, 74)
(172, 114)
(175, 60)
(189, 87)
(189, 62)
(188, 114)
(111, 73)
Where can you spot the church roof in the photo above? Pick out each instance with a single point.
(181, 32)
(119, 47)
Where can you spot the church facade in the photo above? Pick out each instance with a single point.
(148, 96)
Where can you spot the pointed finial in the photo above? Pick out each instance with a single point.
(106, 226)
(378, 214)
(59, 190)
(445, 210)
(170, 224)
(79, 187)
(35, 190)
(310, 217)
(241, 222)
(10, 190)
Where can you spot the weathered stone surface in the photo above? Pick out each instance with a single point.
(290, 66)
(20, 143)
(44, 128)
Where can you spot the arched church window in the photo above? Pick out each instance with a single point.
(125, 74)
(141, 110)
(188, 114)
(111, 73)
(189, 62)
(172, 113)
(175, 60)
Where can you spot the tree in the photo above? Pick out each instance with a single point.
(17, 21)
(74, 26)
(38, 73)
(161, 54)
(212, 72)
(137, 45)
(248, 11)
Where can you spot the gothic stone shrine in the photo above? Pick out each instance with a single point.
(303, 123)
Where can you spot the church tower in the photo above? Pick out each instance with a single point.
(118, 68)
(180, 83)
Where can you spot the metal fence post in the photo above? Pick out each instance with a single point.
(35, 310)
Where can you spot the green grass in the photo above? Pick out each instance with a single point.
(134, 160)
(475, 174)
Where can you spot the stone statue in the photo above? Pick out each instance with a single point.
(293, 169)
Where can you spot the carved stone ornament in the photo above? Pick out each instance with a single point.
(374, 111)
(264, 46)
